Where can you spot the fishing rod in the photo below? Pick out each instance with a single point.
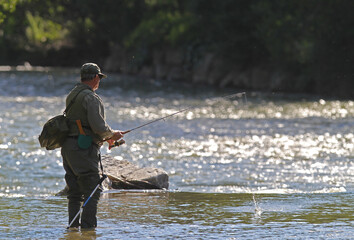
(121, 141)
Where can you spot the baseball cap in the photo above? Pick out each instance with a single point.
(91, 68)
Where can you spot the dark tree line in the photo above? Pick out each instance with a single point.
(310, 37)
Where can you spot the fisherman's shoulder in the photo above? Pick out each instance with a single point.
(80, 87)
(92, 97)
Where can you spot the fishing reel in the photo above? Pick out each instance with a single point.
(113, 143)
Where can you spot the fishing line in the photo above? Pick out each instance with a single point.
(241, 94)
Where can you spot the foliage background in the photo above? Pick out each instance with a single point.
(310, 39)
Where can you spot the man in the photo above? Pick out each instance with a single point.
(81, 165)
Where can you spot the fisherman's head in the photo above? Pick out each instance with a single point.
(91, 74)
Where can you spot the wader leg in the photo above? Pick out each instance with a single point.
(82, 177)
(74, 197)
(88, 183)
(73, 208)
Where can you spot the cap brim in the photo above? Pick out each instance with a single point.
(102, 75)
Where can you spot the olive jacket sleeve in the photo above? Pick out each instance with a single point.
(96, 116)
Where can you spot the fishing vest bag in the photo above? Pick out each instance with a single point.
(54, 132)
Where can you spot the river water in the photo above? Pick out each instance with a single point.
(276, 166)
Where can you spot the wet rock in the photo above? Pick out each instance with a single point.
(161, 71)
(260, 78)
(217, 71)
(175, 74)
(201, 70)
(125, 175)
(174, 57)
(146, 71)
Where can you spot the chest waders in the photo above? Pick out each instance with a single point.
(104, 176)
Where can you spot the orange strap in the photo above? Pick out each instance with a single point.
(78, 122)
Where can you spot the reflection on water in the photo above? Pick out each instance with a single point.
(73, 234)
(279, 167)
(186, 215)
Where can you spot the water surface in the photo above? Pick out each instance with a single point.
(279, 167)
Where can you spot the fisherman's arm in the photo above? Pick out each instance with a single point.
(97, 121)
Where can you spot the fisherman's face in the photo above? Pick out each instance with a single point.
(97, 80)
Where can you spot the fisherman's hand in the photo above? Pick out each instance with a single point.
(117, 135)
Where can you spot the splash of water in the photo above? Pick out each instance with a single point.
(257, 209)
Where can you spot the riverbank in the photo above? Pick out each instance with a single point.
(255, 45)
(210, 69)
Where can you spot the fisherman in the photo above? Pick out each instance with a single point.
(81, 161)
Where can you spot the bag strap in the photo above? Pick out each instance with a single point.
(72, 102)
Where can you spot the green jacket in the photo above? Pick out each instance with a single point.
(88, 107)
